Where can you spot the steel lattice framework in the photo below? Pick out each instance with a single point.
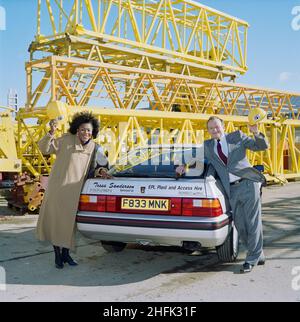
(165, 34)
(133, 63)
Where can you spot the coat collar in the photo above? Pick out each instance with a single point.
(84, 148)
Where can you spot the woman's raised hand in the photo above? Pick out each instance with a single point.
(53, 127)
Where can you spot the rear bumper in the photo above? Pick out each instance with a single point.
(155, 230)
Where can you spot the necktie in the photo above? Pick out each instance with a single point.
(220, 153)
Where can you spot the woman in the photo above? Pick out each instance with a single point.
(76, 154)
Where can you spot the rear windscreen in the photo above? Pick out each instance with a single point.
(161, 162)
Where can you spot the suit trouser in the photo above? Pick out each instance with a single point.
(245, 202)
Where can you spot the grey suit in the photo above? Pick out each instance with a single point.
(244, 197)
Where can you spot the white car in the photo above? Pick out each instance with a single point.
(147, 203)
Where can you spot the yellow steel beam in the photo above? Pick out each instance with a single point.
(74, 46)
(123, 129)
(128, 55)
(211, 33)
(107, 84)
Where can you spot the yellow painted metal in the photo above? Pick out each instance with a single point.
(9, 161)
(122, 130)
(133, 63)
(165, 34)
(78, 81)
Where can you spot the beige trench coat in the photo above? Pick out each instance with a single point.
(56, 222)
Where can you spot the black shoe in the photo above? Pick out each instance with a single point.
(58, 258)
(261, 262)
(246, 268)
(67, 258)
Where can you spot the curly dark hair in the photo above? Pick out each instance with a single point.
(84, 117)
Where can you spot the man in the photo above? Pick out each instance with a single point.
(226, 153)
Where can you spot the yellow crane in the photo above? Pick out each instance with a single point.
(134, 63)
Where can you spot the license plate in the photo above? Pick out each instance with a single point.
(145, 204)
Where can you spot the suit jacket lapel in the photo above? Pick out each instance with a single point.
(230, 148)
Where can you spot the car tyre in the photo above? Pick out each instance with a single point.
(113, 247)
(228, 252)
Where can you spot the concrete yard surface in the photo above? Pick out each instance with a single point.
(27, 271)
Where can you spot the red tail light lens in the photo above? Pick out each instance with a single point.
(201, 207)
(175, 207)
(111, 204)
(92, 203)
(178, 206)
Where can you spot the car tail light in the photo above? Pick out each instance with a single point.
(92, 203)
(201, 207)
(175, 207)
(178, 206)
(111, 203)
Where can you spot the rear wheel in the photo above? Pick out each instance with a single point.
(228, 252)
(113, 247)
